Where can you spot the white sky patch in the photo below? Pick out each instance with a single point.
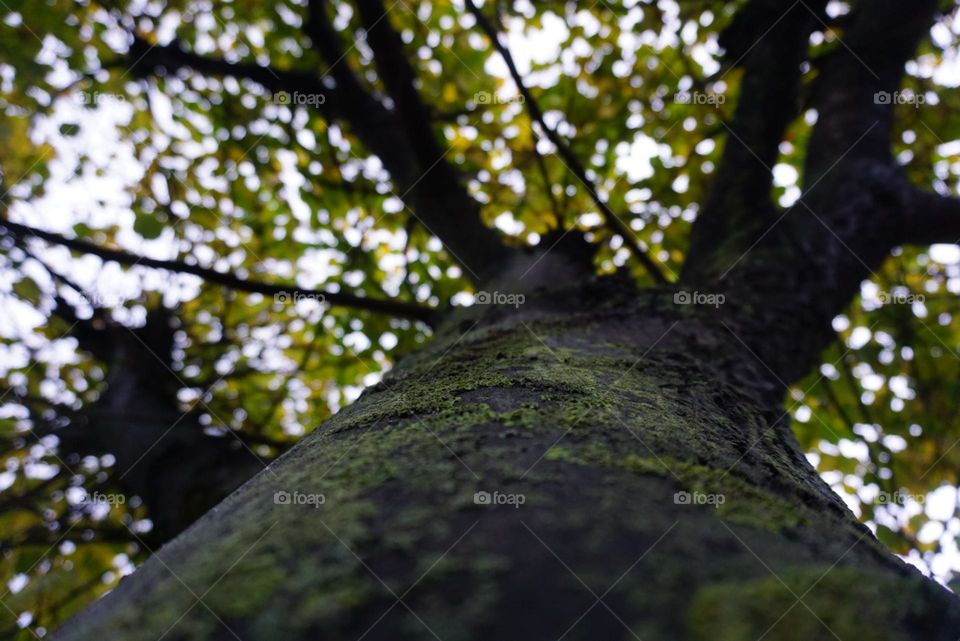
(97, 198)
(945, 254)
(785, 175)
(17, 583)
(859, 337)
(506, 223)
(634, 158)
(293, 180)
(706, 57)
(527, 46)
(941, 503)
(947, 71)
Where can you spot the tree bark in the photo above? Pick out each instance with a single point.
(162, 454)
(643, 483)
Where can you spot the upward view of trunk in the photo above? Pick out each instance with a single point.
(595, 462)
(574, 457)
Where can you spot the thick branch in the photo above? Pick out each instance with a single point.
(768, 39)
(570, 160)
(935, 219)
(400, 79)
(429, 182)
(145, 59)
(809, 262)
(855, 94)
(393, 307)
(426, 181)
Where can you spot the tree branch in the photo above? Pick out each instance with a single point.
(809, 263)
(880, 39)
(570, 160)
(768, 39)
(935, 219)
(429, 182)
(396, 308)
(145, 59)
(400, 79)
(425, 180)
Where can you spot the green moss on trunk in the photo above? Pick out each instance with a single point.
(597, 420)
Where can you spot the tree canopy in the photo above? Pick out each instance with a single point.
(272, 202)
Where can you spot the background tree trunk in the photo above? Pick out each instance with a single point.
(162, 454)
(583, 413)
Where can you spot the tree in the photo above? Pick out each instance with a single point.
(599, 445)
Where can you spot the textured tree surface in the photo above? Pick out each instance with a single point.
(597, 405)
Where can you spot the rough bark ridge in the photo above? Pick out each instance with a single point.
(593, 401)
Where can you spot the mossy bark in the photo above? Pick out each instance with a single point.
(583, 413)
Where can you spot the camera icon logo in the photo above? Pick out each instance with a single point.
(882, 98)
(482, 498)
(682, 498)
(483, 98)
(281, 98)
(682, 298)
(281, 498)
(483, 298)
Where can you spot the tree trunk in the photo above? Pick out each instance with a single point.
(162, 454)
(641, 480)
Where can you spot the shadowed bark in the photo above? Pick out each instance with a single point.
(162, 454)
(591, 407)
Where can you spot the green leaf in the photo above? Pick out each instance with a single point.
(148, 226)
(28, 290)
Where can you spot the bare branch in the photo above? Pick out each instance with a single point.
(853, 112)
(145, 59)
(429, 182)
(396, 308)
(572, 163)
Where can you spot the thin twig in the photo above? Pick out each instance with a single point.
(226, 279)
(570, 160)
